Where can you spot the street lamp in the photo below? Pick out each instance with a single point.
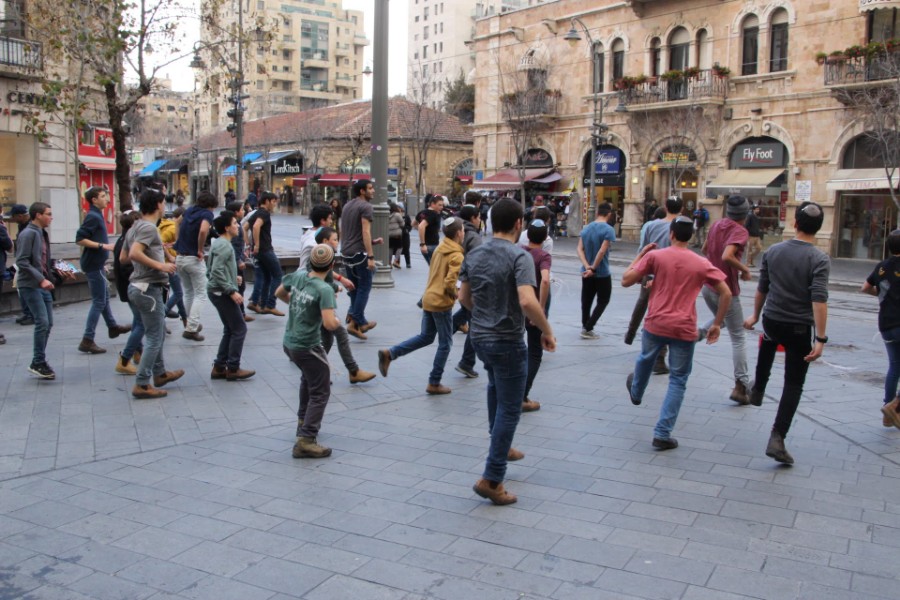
(379, 137)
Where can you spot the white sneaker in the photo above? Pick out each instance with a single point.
(589, 335)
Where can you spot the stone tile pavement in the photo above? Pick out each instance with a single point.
(196, 496)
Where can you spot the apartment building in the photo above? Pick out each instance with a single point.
(164, 119)
(297, 55)
(749, 98)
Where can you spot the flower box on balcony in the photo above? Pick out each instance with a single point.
(673, 75)
(692, 72)
(721, 71)
(821, 57)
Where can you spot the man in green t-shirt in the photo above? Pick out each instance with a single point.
(311, 304)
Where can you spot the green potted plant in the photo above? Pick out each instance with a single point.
(837, 56)
(692, 72)
(721, 71)
(673, 75)
(854, 51)
(821, 57)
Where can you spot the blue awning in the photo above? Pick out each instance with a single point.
(151, 169)
(272, 157)
(230, 171)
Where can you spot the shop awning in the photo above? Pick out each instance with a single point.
(464, 179)
(174, 165)
(548, 179)
(301, 180)
(867, 5)
(272, 157)
(860, 179)
(248, 158)
(97, 164)
(151, 169)
(509, 178)
(341, 179)
(743, 182)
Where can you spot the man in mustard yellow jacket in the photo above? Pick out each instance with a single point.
(437, 304)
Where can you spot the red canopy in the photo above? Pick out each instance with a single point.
(341, 179)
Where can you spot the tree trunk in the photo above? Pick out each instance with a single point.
(123, 166)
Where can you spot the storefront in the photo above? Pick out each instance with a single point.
(97, 166)
(609, 178)
(674, 172)
(757, 169)
(276, 170)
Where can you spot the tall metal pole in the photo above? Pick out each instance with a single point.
(592, 205)
(379, 152)
(237, 91)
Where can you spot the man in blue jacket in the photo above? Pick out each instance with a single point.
(92, 237)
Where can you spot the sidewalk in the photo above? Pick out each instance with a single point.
(196, 496)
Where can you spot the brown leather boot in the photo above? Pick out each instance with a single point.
(147, 392)
(167, 377)
(117, 330)
(217, 373)
(777, 450)
(740, 394)
(125, 366)
(306, 447)
(239, 374)
(90, 347)
(514, 455)
(360, 376)
(493, 491)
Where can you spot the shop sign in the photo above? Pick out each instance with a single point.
(764, 155)
(31, 99)
(611, 180)
(393, 171)
(672, 158)
(537, 157)
(288, 166)
(608, 162)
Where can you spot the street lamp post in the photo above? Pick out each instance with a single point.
(379, 152)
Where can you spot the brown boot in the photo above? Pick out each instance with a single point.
(167, 377)
(891, 418)
(147, 392)
(437, 390)
(125, 367)
(272, 311)
(530, 405)
(239, 374)
(354, 330)
(493, 491)
(217, 372)
(306, 447)
(384, 361)
(360, 376)
(514, 455)
(370, 325)
(90, 347)
(117, 330)
(776, 449)
(740, 394)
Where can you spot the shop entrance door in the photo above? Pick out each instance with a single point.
(866, 221)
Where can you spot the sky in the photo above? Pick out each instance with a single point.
(183, 78)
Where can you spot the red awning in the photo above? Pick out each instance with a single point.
(301, 181)
(464, 179)
(509, 178)
(97, 164)
(341, 179)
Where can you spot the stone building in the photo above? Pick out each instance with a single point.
(696, 102)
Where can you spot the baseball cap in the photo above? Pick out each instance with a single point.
(16, 209)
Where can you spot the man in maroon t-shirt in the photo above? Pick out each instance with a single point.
(724, 247)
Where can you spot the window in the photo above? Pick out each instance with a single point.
(679, 47)
(779, 45)
(750, 46)
(424, 52)
(598, 75)
(704, 50)
(618, 59)
(259, 84)
(655, 57)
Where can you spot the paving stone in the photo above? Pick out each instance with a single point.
(101, 586)
(102, 528)
(639, 585)
(217, 559)
(327, 558)
(739, 581)
(594, 552)
(282, 576)
(203, 527)
(158, 543)
(161, 574)
(263, 542)
(340, 587)
(221, 588)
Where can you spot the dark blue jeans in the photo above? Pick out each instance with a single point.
(357, 270)
(176, 296)
(433, 324)
(234, 331)
(506, 366)
(40, 303)
(271, 278)
(462, 317)
(797, 341)
(99, 289)
(429, 252)
(892, 345)
(257, 282)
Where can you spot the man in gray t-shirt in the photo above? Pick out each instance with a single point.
(143, 248)
(359, 259)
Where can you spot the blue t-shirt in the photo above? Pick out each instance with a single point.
(592, 238)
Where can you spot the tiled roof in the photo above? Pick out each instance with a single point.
(336, 122)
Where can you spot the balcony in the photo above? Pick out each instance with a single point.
(844, 73)
(702, 87)
(21, 55)
(532, 105)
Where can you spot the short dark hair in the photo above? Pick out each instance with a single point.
(324, 234)
(179, 210)
(359, 186)
(543, 213)
(674, 206)
(435, 199)
(235, 206)
(149, 201)
(127, 219)
(266, 197)
(221, 223)
(473, 198)
(537, 235)
(504, 215)
(893, 242)
(207, 200)
(37, 208)
(93, 192)
(683, 228)
(468, 212)
(454, 226)
(319, 213)
(809, 217)
(604, 209)
(660, 213)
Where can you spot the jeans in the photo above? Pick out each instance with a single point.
(357, 270)
(177, 296)
(461, 317)
(234, 331)
(40, 303)
(26, 312)
(734, 322)
(315, 387)
(535, 350)
(797, 341)
(433, 324)
(99, 288)
(505, 363)
(271, 278)
(343, 344)
(258, 276)
(594, 287)
(892, 345)
(192, 271)
(153, 314)
(135, 339)
(429, 252)
(681, 358)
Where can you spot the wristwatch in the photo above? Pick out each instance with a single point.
(822, 340)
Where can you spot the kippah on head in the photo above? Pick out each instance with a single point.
(321, 256)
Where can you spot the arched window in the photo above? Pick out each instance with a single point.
(599, 58)
(618, 56)
(863, 152)
(679, 46)
(704, 50)
(750, 46)
(778, 60)
(655, 57)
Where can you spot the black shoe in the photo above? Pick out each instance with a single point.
(668, 444)
(756, 397)
(628, 381)
(467, 371)
(25, 321)
(42, 370)
(172, 314)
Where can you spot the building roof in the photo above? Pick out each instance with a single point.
(336, 122)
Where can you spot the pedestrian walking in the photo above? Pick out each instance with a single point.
(471, 218)
(429, 226)
(678, 275)
(407, 227)
(437, 308)
(701, 220)
(755, 233)
(884, 282)
(538, 231)
(130, 357)
(263, 299)
(311, 306)
(192, 235)
(498, 288)
(168, 232)
(395, 234)
(6, 245)
(18, 214)
(358, 256)
(596, 281)
(240, 255)
(792, 296)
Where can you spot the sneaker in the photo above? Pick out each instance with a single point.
(514, 455)
(666, 444)
(125, 366)
(239, 374)
(755, 397)
(437, 390)
(628, 381)
(167, 377)
(384, 361)
(42, 370)
(775, 449)
(890, 415)
(739, 393)
(147, 392)
(217, 372)
(360, 376)
(192, 335)
(117, 330)
(90, 347)
(467, 371)
(493, 491)
(589, 335)
(306, 447)
(530, 406)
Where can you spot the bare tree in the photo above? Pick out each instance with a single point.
(310, 143)
(420, 122)
(358, 140)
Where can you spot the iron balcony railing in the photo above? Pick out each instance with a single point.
(860, 69)
(703, 85)
(21, 53)
(531, 104)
